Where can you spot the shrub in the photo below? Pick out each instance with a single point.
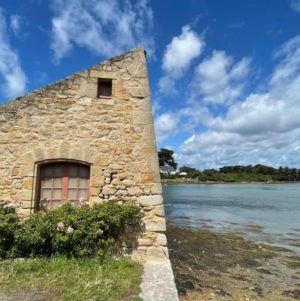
(9, 224)
(71, 231)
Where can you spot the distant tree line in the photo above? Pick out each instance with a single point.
(239, 173)
(235, 173)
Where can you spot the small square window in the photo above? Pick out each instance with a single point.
(104, 88)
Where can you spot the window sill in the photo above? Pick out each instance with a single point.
(104, 97)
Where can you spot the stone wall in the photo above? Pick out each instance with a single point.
(67, 121)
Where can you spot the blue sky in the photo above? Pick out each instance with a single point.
(224, 75)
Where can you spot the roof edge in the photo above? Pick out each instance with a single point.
(18, 98)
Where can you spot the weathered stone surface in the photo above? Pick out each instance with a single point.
(161, 239)
(159, 211)
(88, 90)
(158, 280)
(142, 118)
(156, 224)
(102, 74)
(145, 242)
(150, 200)
(138, 92)
(134, 191)
(155, 253)
(156, 188)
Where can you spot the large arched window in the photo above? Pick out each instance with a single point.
(63, 181)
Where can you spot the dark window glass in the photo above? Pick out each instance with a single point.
(104, 88)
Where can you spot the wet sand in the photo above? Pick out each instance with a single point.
(227, 267)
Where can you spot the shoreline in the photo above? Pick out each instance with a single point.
(215, 266)
(191, 181)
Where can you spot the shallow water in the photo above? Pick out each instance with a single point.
(268, 213)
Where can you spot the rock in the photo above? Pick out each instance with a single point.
(144, 242)
(161, 239)
(155, 224)
(151, 200)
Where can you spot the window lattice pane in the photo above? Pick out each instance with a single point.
(73, 172)
(57, 183)
(48, 172)
(83, 194)
(73, 182)
(46, 194)
(47, 183)
(84, 172)
(57, 194)
(83, 183)
(58, 171)
(72, 194)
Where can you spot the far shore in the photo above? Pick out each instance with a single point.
(192, 181)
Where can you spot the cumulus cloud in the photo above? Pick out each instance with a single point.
(178, 57)
(295, 4)
(12, 77)
(264, 128)
(215, 149)
(219, 80)
(185, 119)
(276, 110)
(105, 27)
(166, 125)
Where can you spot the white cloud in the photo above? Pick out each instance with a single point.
(219, 80)
(106, 27)
(12, 77)
(178, 57)
(260, 113)
(15, 24)
(289, 67)
(215, 149)
(264, 128)
(181, 51)
(184, 120)
(295, 4)
(166, 125)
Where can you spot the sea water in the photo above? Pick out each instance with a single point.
(268, 213)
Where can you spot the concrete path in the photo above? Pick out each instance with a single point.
(158, 281)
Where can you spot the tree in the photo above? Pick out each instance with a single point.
(191, 172)
(165, 157)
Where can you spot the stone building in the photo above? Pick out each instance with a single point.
(88, 137)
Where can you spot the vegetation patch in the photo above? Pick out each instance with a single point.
(226, 174)
(255, 228)
(67, 231)
(293, 264)
(66, 254)
(292, 293)
(70, 279)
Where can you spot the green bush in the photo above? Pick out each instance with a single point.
(9, 225)
(69, 231)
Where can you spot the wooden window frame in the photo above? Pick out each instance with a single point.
(102, 82)
(65, 182)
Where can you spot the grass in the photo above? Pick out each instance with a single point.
(71, 279)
